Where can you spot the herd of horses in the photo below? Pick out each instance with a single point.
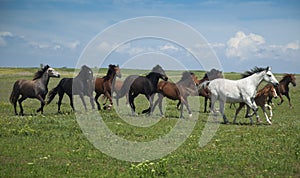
(213, 86)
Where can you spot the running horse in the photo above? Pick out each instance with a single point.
(105, 85)
(81, 85)
(177, 91)
(146, 85)
(283, 88)
(36, 88)
(261, 100)
(239, 91)
(122, 88)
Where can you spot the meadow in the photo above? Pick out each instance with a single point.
(54, 145)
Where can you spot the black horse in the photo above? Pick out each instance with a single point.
(82, 85)
(146, 85)
(36, 88)
(123, 90)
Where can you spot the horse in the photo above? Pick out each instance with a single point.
(105, 84)
(261, 100)
(179, 91)
(203, 91)
(36, 88)
(81, 85)
(238, 91)
(283, 88)
(122, 88)
(146, 85)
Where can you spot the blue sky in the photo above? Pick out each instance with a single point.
(243, 34)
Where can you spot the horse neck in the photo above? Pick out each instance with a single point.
(153, 79)
(44, 79)
(110, 76)
(255, 79)
(285, 81)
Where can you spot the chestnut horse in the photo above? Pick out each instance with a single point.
(260, 100)
(105, 84)
(283, 88)
(177, 91)
(36, 88)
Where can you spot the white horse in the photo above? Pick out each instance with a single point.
(238, 91)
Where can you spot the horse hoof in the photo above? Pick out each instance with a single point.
(190, 115)
(163, 116)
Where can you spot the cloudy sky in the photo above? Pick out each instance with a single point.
(242, 34)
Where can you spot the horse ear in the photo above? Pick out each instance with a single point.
(268, 68)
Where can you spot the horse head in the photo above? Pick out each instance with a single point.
(293, 79)
(269, 77)
(52, 73)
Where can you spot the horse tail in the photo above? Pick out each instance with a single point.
(52, 94)
(15, 93)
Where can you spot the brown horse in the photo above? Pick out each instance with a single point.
(105, 84)
(36, 88)
(179, 91)
(283, 88)
(80, 85)
(260, 100)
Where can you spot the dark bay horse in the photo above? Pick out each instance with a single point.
(260, 100)
(36, 88)
(105, 84)
(122, 88)
(146, 85)
(283, 88)
(177, 91)
(81, 85)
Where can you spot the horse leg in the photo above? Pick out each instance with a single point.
(288, 97)
(160, 98)
(82, 100)
(131, 102)
(97, 102)
(71, 102)
(39, 97)
(222, 104)
(237, 112)
(92, 102)
(281, 99)
(157, 102)
(60, 95)
(270, 109)
(108, 96)
(20, 104)
(265, 113)
(150, 99)
(185, 102)
(205, 104)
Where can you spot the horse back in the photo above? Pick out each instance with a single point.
(168, 89)
(142, 85)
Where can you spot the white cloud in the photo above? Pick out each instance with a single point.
(169, 47)
(3, 35)
(244, 46)
(293, 45)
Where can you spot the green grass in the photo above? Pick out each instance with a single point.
(53, 145)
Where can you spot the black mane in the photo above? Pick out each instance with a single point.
(253, 71)
(110, 71)
(40, 73)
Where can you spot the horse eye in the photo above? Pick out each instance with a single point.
(269, 75)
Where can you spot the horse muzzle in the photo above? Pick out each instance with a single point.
(275, 84)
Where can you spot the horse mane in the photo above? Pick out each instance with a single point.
(40, 72)
(253, 71)
(285, 76)
(110, 71)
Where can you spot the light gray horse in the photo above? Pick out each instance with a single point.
(238, 91)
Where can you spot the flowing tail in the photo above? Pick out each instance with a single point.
(52, 94)
(14, 96)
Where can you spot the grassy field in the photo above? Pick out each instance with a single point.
(53, 145)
